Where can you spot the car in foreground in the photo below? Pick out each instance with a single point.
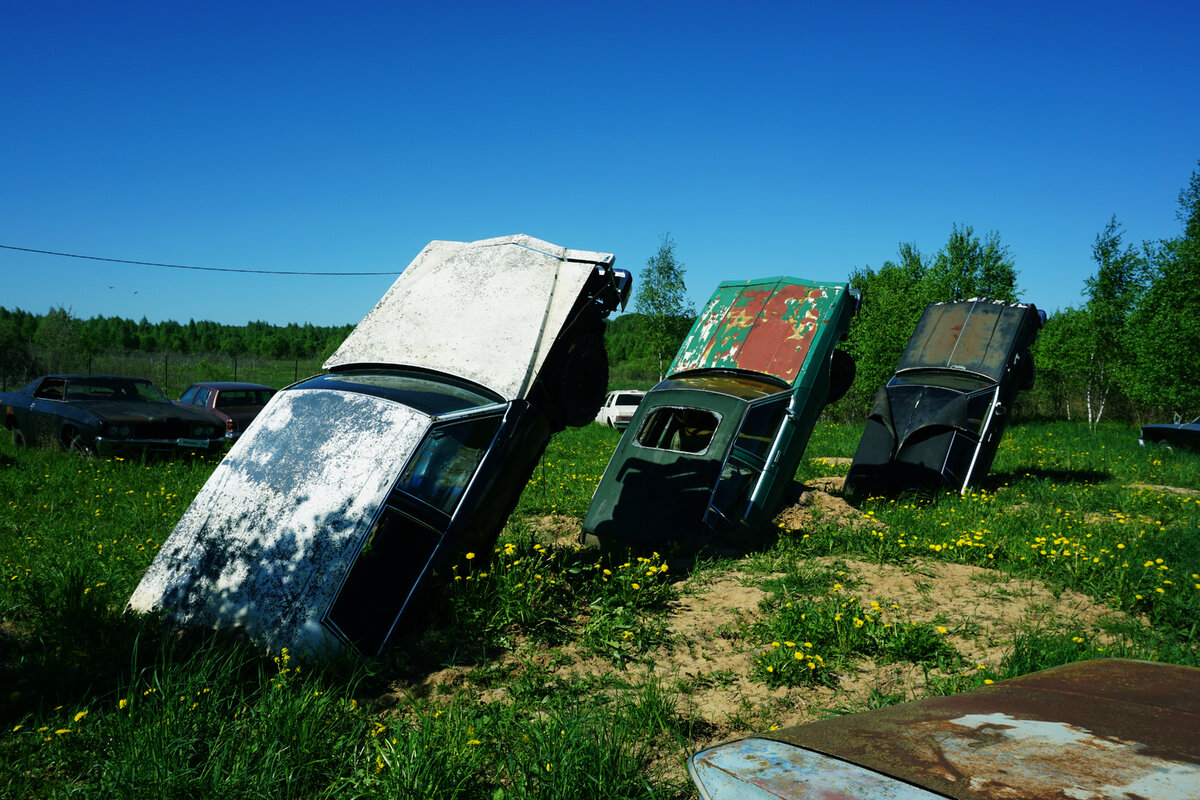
(234, 403)
(105, 414)
(714, 446)
(1091, 730)
(618, 408)
(938, 421)
(1185, 435)
(323, 525)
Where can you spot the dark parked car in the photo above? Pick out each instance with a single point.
(236, 404)
(106, 414)
(1107, 729)
(714, 447)
(1181, 434)
(939, 420)
(324, 522)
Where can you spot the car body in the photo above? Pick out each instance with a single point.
(321, 528)
(1185, 435)
(938, 421)
(618, 408)
(107, 414)
(714, 446)
(1105, 728)
(235, 403)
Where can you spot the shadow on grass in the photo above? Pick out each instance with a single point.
(1061, 476)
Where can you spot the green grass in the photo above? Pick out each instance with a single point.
(95, 702)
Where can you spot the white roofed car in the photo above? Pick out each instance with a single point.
(619, 407)
(324, 522)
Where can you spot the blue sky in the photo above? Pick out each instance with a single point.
(766, 138)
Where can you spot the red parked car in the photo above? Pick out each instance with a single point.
(235, 404)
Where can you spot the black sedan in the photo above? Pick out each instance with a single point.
(105, 414)
(1185, 435)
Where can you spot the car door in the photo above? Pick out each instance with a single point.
(751, 464)
(46, 411)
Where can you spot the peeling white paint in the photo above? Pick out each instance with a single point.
(488, 311)
(270, 535)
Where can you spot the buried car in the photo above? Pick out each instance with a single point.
(1090, 730)
(715, 445)
(106, 414)
(1173, 434)
(939, 420)
(325, 521)
(234, 403)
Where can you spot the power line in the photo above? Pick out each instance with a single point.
(184, 266)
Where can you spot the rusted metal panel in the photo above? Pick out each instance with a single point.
(761, 769)
(488, 311)
(1107, 728)
(976, 335)
(766, 326)
(269, 537)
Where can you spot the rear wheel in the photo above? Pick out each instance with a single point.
(841, 375)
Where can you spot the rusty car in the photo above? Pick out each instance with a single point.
(233, 402)
(1104, 729)
(105, 414)
(322, 527)
(938, 421)
(714, 446)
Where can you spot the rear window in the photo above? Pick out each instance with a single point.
(962, 381)
(628, 399)
(685, 430)
(427, 392)
(232, 398)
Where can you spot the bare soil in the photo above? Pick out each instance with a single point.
(709, 656)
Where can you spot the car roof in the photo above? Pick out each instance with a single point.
(488, 311)
(768, 325)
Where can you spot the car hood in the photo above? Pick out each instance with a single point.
(977, 335)
(767, 326)
(1089, 730)
(116, 411)
(488, 311)
(273, 531)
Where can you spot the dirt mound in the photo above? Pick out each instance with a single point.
(818, 505)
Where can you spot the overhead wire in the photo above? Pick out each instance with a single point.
(184, 266)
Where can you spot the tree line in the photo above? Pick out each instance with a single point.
(1126, 352)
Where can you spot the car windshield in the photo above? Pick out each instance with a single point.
(961, 381)
(122, 389)
(427, 392)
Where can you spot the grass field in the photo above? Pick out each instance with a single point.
(552, 671)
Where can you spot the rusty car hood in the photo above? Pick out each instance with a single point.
(977, 335)
(488, 311)
(766, 326)
(1105, 728)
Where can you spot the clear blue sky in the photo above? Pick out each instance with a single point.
(767, 138)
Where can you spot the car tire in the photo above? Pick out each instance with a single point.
(582, 383)
(73, 442)
(842, 370)
(18, 439)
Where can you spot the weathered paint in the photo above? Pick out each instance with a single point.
(976, 335)
(766, 326)
(488, 311)
(1092, 730)
(267, 540)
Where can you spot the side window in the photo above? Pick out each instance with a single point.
(444, 464)
(201, 398)
(978, 406)
(686, 430)
(51, 389)
(759, 428)
(187, 396)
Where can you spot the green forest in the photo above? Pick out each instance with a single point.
(1125, 353)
